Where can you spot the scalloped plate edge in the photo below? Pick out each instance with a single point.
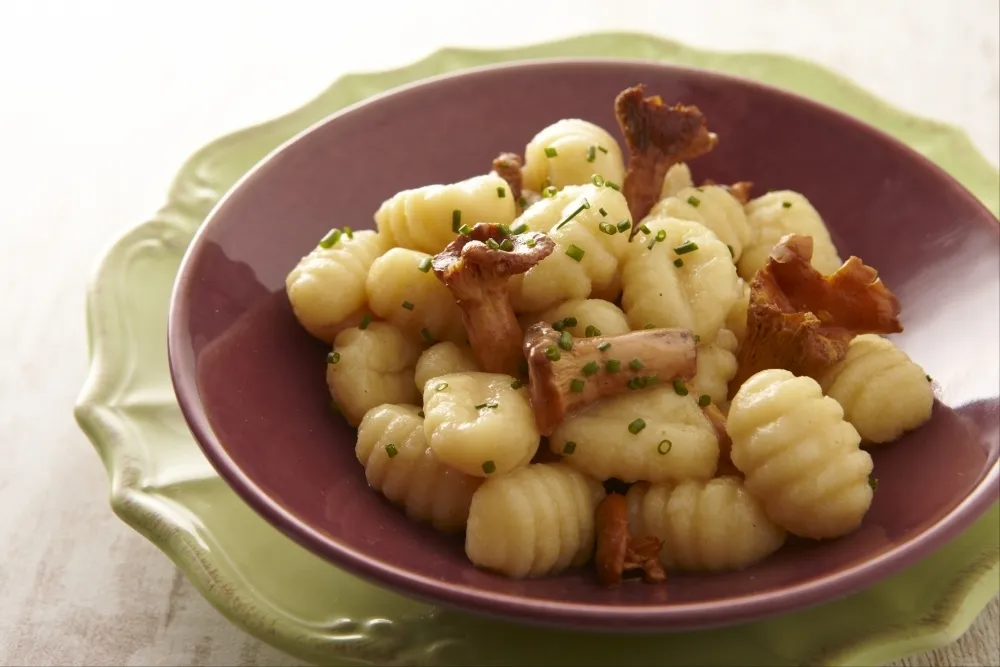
(109, 430)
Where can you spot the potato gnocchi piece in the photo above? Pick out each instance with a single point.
(801, 460)
(606, 318)
(713, 207)
(776, 214)
(676, 179)
(586, 259)
(708, 525)
(369, 367)
(443, 359)
(653, 435)
(736, 319)
(534, 521)
(569, 152)
(428, 218)
(412, 300)
(716, 367)
(687, 280)
(327, 287)
(480, 423)
(398, 463)
(883, 392)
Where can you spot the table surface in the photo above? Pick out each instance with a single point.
(101, 103)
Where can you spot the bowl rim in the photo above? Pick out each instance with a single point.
(651, 617)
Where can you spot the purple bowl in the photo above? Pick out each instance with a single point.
(250, 380)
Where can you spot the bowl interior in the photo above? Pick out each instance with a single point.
(251, 381)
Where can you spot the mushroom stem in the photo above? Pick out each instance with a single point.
(725, 465)
(508, 167)
(475, 267)
(563, 380)
(617, 552)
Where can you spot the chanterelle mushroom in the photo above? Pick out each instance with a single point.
(567, 373)
(657, 137)
(508, 167)
(802, 321)
(725, 465)
(617, 552)
(475, 267)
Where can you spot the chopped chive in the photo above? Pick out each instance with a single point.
(661, 235)
(613, 186)
(488, 404)
(421, 414)
(649, 326)
(519, 228)
(333, 358)
(507, 245)
(407, 305)
(873, 482)
(731, 251)
(549, 191)
(635, 383)
(604, 347)
(680, 387)
(786, 204)
(348, 232)
(522, 202)
(550, 152)
(602, 149)
(428, 336)
(516, 384)
(624, 225)
(612, 365)
(636, 426)
(552, 353)
(391, 450)
(576, 386)
(505, 229)
(570, 321)
(425, 264)
(559, 325)
(584, 205)
(704, 400)
(566, 341)
(664, 447)
(591, 331)
(575, 252)
(570, 446)
(530, 242)
(697, 339)
(489, 467)
(645, 229)
(591, 368)
(650, 380)
(678, 262)
(602, 212)
(330, 239)
(441, 386)
(456, 220)
(597, 180)
(591, 153)
(694, 201)
(652, 242)
(608, 228)
(501, 191)
(465, 229)
(686, 247)
(365, 321)
(493, 245)
(636, 365)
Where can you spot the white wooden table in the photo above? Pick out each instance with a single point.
(100, 102)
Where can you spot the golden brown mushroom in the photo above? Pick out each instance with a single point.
(475, 267)
(617, 552)
(802, 321)
(657, 137)
(725, 465)
(508, 167)
(566, 373)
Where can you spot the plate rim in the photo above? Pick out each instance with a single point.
(109, 434)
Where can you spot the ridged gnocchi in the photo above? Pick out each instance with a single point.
(534, 521)
(398, 463)
(586, 260)
(327, 287)
(704, 524)
(443, 359)
(593, 317)
(480, 423)
(686, 280)
(569, 152)
(782, 212)
(653, 435)
(427, 218)
(716, 367)
(413, 300)
(883, 392)
(801, 460)
(369, 367)
(713, 207)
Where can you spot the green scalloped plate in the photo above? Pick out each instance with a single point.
(163, 487)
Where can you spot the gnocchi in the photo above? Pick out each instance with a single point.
(713, 207)
(586, 317)
(533, 521)
(716, 367)
(398, 463)
(883, 392)
(801, 460)
(569, 152)
(443, 359)
(676, 179)
(704, 524)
